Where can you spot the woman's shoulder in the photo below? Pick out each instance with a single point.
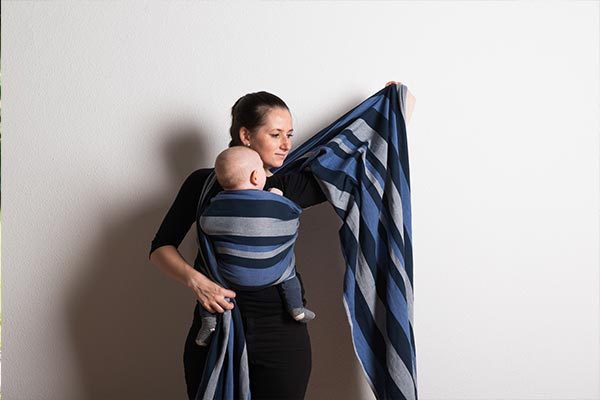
(182, 213)
(193, 184)
(199, 175)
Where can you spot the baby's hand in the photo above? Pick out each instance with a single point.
(276, 191)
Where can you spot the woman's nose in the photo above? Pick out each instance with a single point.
(285, 143)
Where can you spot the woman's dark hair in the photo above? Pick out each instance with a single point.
(249, 112)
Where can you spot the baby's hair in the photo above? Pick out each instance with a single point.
(234, 165)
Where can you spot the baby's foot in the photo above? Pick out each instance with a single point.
(302, 314)
(208, 327)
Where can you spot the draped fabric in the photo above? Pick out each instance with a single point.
(226, 374)
(253, 233)
(361, 163)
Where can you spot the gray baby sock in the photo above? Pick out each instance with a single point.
(207, 328)
(302, 314)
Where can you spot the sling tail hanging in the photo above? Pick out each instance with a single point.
(361, 162)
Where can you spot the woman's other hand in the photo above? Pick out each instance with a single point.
(393, 83)
(211, 296)
(410, 101)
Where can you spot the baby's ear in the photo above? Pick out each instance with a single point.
(254, 177)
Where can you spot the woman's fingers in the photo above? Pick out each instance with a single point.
(223, 304)
(216, 309)
(218, 301)
(227, 293)
(215, 305)
(211, 296)
(221, 300)
(392, 83)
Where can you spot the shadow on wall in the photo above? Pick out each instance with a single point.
(127, 320)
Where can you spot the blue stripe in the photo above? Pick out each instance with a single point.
(245, 247)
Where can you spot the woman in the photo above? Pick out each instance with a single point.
(278, 347)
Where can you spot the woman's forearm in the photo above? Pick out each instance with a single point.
(210, 295)
(170, 261)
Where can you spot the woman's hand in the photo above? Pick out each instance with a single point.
(410, 101)
(210, 295)
(393, 83)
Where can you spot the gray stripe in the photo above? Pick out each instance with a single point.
(256, 255)
(377, 145)
(244, 375)
(402, 95)
(209, 394)
(395, 204)
(407, 285)
(248, 226)
(337, 198)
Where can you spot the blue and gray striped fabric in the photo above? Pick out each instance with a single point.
(361, 162)
(253, 232)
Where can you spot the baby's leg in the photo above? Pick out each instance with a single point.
(292, 295)
(209, 323)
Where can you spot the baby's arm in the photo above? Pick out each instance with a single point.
(276, 191)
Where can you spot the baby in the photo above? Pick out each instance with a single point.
(253, 233)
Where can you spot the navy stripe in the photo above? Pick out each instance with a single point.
(252, 240)
(250, 208)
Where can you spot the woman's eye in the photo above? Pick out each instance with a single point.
(290, 135)
(274, 135)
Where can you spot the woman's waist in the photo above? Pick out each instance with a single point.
(259, 303)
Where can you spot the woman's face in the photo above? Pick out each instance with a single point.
(273, 140)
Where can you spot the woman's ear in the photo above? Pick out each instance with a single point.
(244, 136)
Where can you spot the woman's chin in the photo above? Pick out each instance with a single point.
(275, 164)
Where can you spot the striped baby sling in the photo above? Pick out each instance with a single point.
(361, 163)
(252, 233)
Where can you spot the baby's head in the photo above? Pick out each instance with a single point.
(240, 168)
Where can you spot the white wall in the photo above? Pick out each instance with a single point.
(107, 107)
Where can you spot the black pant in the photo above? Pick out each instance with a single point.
(278, 348)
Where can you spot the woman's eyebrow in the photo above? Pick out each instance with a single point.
(281, 130)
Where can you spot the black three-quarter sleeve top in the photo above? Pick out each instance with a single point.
(300, 187)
